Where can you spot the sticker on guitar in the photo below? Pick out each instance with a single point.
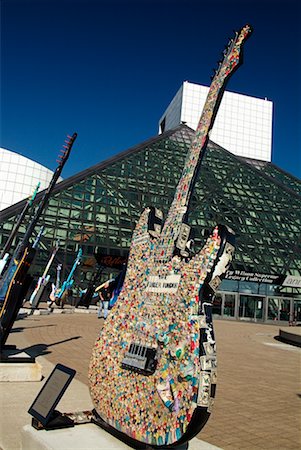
(153, 368)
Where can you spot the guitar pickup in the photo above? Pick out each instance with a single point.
(141, 359)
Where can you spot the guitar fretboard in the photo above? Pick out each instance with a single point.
(180, 204)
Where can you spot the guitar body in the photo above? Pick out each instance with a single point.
(3, 262)
(38, 292)
(15, 294)
(170, 400)
(52, 293)
(9, 274)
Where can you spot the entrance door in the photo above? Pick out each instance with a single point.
(251, 307)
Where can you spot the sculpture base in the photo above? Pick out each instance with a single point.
(87, 436)
(18, 366)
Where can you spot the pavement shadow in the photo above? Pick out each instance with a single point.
(43, 349)
(19, 329)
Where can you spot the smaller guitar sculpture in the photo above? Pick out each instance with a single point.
(43, 280)
(90, 292)
(153, 368)
(68, 283)
(55, 286)
(15, 282)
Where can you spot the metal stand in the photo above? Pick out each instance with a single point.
(57, 421)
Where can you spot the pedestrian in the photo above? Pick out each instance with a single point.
(105, 293)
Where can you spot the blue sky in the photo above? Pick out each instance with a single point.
(108, 69)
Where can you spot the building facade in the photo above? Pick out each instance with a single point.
(97, 209)
(19, 177)
(243, 124)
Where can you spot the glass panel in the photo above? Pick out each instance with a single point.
(251, 307)
(273, 309)
(108, 199)
(284, 309)
(229, 306)
(297, 310)
(279, 309)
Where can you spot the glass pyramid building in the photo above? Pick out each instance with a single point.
(97, 209)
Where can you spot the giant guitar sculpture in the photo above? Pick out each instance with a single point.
(153, 368)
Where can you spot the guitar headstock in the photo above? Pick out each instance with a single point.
(65, 151)
(33, 195)
(233, 54)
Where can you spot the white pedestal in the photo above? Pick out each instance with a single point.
(20, 371)
(80, 437)
(83, 437)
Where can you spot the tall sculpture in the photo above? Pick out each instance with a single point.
(153, 368)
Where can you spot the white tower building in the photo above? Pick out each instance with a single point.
(19, 177)
(243, 124)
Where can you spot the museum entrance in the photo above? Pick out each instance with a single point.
(255, 307)
(251, 308)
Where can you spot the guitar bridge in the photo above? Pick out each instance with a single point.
(141, 359)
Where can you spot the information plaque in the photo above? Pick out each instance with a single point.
(43, 407)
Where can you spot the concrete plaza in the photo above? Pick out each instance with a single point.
(258, 401)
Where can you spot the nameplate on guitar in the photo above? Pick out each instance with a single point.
(169, 283)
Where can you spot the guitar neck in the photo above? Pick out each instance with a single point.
(16, 227)
(49, 262)
(62, 160)
(180, 205)
(75, 264)
(58, 276)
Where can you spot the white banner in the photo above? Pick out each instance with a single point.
(292, 281)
